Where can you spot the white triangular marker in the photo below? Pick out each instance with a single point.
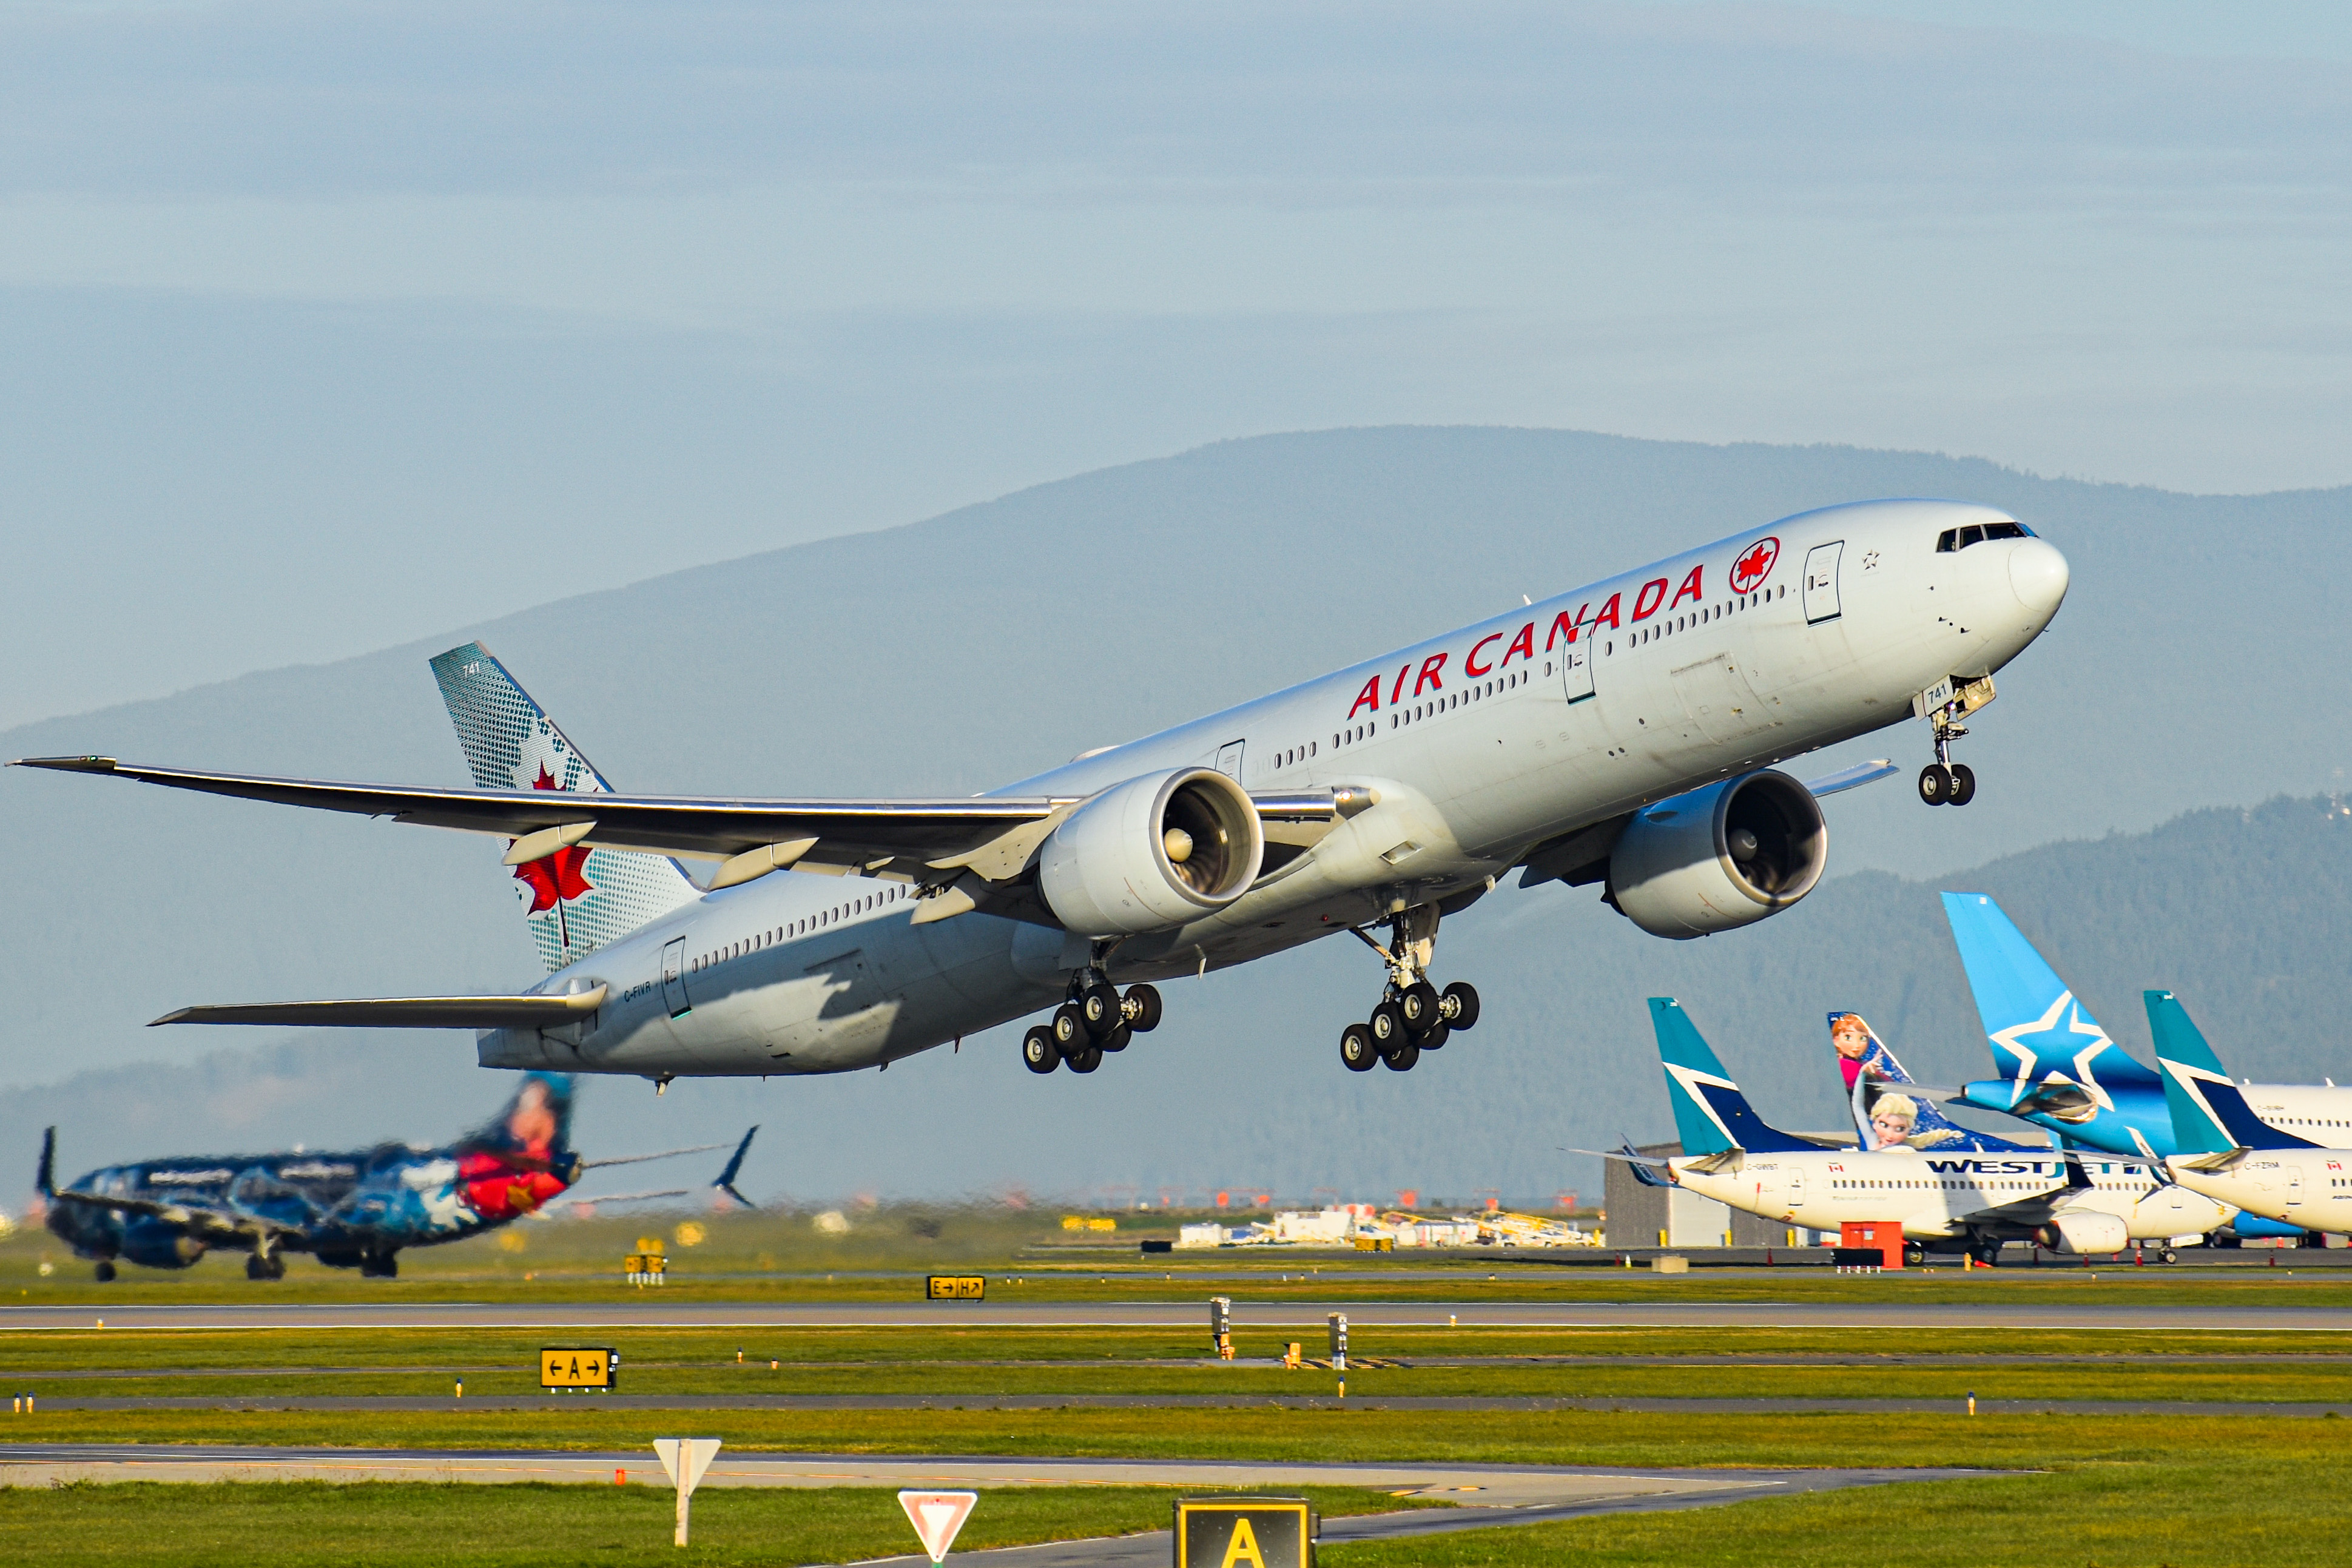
(937, 1516)
(700, 1452)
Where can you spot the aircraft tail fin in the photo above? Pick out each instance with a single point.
(575, 898)
(1711, 1115)
(1874, 1076)
(45, 1177)
(726, 1182)
(2209, 1115)
(2036, 1027)
(537, 1120)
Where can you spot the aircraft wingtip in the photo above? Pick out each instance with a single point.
(68, 764)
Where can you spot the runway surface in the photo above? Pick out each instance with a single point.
(1484, 1495)
(643, 1312)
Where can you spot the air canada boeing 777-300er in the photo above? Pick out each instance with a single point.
(1623, 734)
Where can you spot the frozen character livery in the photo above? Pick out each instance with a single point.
(1885, 1116)
(353, 1210)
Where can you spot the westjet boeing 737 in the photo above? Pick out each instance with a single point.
(1623, 734)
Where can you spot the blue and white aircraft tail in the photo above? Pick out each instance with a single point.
(1711, 1115)
(577, 899)
(2209, 1113)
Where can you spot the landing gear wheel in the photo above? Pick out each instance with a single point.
(2168, 1254)
(1356, 1051)
(1087, 1059)
(1069, 1028)
(1964, 784)
(1419, 1003)
(1038, 1052)
(1435, 1037)
(1913, 1256)
(256, 1267)
(374, 1267)
(1387, 1026)
(1401, 1059)
(1936, 784)
(1141, 1005)
(1098, 1007)
(1985, 1253)
(1117, 1039)
(105, 1271)
(1459, 1005)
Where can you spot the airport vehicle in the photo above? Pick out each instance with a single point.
(1963, 1201)
(2229, 1152)
(1892, 1110)
(2067, 1076)
(350, 1211)
(1622, 735)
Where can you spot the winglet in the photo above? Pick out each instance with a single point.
(68, 764)
(44, 1179)
(726, 1182)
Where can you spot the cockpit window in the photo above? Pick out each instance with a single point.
(1952, 539)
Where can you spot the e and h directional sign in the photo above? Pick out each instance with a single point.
(1231, 1531)
(954, 1287)
(577, 1369)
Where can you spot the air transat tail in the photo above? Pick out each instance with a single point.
(2035, 1026)
(1884, 1114)
(1711, 1115)
(576, 899)
(2209, 1115)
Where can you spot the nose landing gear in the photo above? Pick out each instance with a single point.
(1413, 1015)
(1944, 782)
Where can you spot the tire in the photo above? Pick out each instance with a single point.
(1964, 784)
(1419, 1004)
(1069, 1028)
(1038, 1052)
(1459, 1005)
(1116, 1040)
(1436, 1036)
(1141, 1005)
(104, 1271)
(2168, 1254)
(1099, 1007)
(1401, 1059)
(1914, 1256)
(256, 1267)
(1934, 784)
(1087, 1059)
(1356, 1051)
(1387, 1025)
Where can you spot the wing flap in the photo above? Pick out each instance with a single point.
(405, 1012)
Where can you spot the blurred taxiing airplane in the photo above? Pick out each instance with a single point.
(349, 1210)
(1623, 734)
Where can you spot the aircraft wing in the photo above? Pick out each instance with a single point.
(991, 835)
(197, 1221)
(405, 1012)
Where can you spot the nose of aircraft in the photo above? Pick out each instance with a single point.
(2038, 574)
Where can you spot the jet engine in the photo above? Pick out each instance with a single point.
(159, 1244)
(1719, 858)
(1151, 854)
(2084, 1231)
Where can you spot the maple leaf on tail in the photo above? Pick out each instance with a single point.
(559, 876)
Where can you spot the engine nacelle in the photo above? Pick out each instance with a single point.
(158, 1244)
(2084, 1231)
(1721, 857)
(1151, 854)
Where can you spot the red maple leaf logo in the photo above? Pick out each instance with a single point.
(1754, 567)
(559, 876)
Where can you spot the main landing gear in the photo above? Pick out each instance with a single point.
(1097, 1019)
(1413, 1016)
(269, 1264)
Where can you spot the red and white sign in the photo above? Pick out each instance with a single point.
(937, 1516)
(1754, 564)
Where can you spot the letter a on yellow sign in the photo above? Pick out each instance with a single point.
(1243, 1547)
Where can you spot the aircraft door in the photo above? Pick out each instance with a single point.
(1229, 760)
(2294, 1185)
(1821, 582)
(1576, 670)
(1796, 1187)
(673, 973)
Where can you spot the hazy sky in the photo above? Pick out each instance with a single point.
(323, 327)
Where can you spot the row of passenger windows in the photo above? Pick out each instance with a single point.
(1946, 1185)
(891, 892)
(1668, 627)
(1952, 539)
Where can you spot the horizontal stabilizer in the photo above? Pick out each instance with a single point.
(405, 1012)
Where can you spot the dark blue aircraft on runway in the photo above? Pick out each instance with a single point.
(349, 1210)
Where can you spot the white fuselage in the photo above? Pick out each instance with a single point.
(1933, 1195)
(1479, 743)
(2310, 1188)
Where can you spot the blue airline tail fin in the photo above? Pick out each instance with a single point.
(576, 898)
(2209, 1115)
(45, 1177)
(2035, 1026)
(1874, 1079)
(1711, 1115)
